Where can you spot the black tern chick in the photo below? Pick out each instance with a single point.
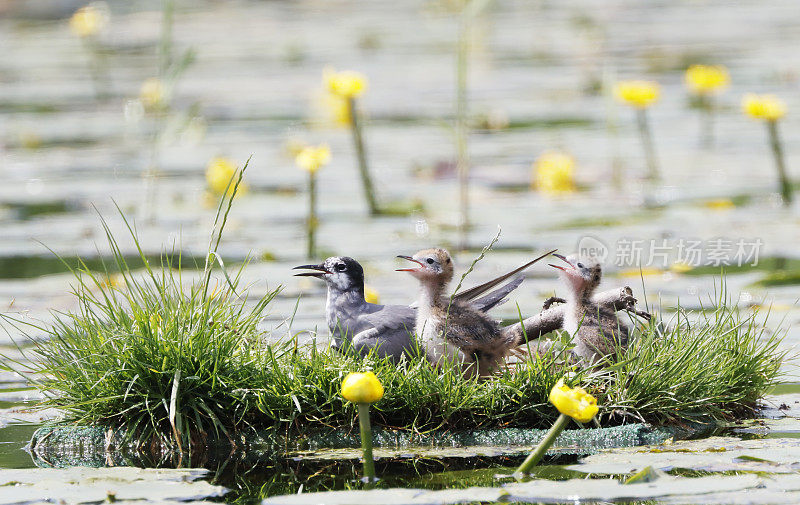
(450, 330)
(595, 330)
(387, 328)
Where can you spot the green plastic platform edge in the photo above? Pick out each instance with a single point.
(69, 445)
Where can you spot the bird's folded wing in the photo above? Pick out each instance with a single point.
(498, 296)
(390, 317)
(472, 293)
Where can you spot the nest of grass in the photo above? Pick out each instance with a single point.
(182, 359)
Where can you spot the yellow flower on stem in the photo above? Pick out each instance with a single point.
(363, 389)
(219, 173)
(312, 158)
(639, 94)
(338, 110)
(764, 107)
(346, 84)
(554, 173)
(572, 403)
(704, 81)
(343, 89)
(152, 93)
(707, 79)
(88, 20)
(770, 109)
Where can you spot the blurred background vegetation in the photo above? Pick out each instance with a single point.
(471, 115)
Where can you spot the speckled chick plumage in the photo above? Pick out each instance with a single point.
(451, 331)
(595, 330)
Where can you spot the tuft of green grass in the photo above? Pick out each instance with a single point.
(172, 355)
(150, 351)
(712, 364)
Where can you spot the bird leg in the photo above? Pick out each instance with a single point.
(550, 301)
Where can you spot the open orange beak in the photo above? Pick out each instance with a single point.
(409, 258)
(565, 260)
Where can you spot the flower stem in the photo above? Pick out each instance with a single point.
(366, 441)
(165, 44)
(98, 69)
(708, 122)
(462, 148)
(780, 164)
(548, 440)
(647, 143)
(152, 173)
(311, 224)
(363, 168)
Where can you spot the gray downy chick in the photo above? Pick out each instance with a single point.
(595, 330)
(450, 330)
(386, 328)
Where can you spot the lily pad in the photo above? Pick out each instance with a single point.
(26, 415)
(779, 406)
(574, 490)
(768, 426)
(84, 485)
(778, 489)
(716, 454)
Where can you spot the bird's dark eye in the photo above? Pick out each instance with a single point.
(580, 265)
(430, 261)
(340, 267)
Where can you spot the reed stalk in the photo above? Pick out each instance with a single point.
(461, 129)
(646, 135)
(311, 223)
(780, 164)
(363, 167)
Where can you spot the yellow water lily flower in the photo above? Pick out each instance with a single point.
(681, 267)
(346, 84)
(707, 79)
(360, 387)
(766, 107)
(312, 158)
(218, 173)
(640, 94)
(719, 204)
(553, 173)
(88, 20)
(573, 402)
(637, 272)
(152, 93)
(338, 110)
(371, 295)
(294, 146)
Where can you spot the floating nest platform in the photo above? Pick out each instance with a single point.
(99, 446)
